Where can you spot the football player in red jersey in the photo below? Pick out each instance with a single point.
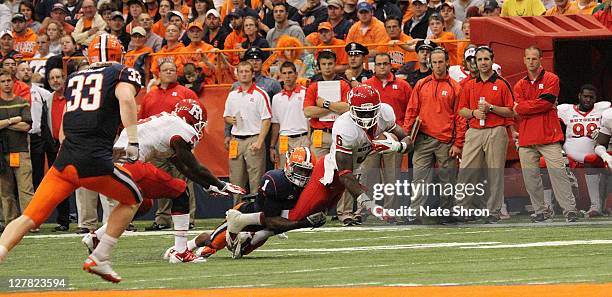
(98, 99)
(171, 136)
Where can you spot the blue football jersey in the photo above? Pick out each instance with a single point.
(277, 193)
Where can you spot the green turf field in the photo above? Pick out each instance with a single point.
(373, 254)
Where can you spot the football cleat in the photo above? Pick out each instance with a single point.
(235, 242)
(593, 213)
(205, 252)
(234, 224)
(185, 257)
(168, 253)
(90, 241)
(102, 269)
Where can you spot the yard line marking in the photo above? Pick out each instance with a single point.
(381, 247)
(541, 244)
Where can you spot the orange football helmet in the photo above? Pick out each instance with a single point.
(299, 165)
(104, 48)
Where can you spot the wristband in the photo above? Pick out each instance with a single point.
(132, 133)
(473, 113)
(326, 104)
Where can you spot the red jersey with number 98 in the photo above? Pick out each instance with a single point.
(579, 128)
(92, 118)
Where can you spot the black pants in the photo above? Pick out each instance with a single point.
(39, 147)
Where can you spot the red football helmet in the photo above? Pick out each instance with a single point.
(364, 107)
(104, 48)
(192, 112)
(299, 165)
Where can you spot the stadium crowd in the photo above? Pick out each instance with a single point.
(296, 92)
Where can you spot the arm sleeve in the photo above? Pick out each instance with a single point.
(544, 103)
(131, 76)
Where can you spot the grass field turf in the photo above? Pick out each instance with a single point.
(375, 255)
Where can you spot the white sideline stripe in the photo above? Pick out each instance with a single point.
(541, 244)
(382, 247)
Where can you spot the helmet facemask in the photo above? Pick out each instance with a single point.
(299, 173)
(366, 115)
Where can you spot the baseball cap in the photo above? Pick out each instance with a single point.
(425, 44)
(18, 16)
(324, 26)
(253, 53)
(213, 12)
(364, 6)
(139, 30)
(59, 6)
(449, 4)
(176, 13)
(236, 14)
(355, 48)
(469, 53)
(195, 24)
(490, 5)
(336, 3)
(116, 14)
(6, 32)
(420, 1)
(139, 2)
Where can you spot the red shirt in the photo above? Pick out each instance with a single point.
(436, 103)
(158, 99)
(57, 113)
(496, 91)
(395, 93)
(538, 121)
(311, 100)
(22, 90)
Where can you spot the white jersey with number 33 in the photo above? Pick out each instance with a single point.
(155, 134)
(579, 128)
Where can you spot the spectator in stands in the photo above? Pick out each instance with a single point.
(253, 38)
(135, 9)
(251, 123)
(313, 13)
(116, 28)
(176, 18)
(289, 125)
(340, 25)
(106, 10)
(439, 35)
(404, 6)
(6, 46)
(356, 74)
(181, 6)
(159, 28)
(400, 46)
(20, 89)
(563, 7)
(24, 39)
(447, 11)
(55, 31)
(169, 52)
(368, 29)
(214, 34)
(586, 6)
(242, 9)
(26, 8)
(137, 58)
(267, 9)
(461, 7)
(540, 135)
(322, 111)
(38, 66)
(283, 26)
(325, 36)
(465, 29)
(434, 6)
(350, 10)
(414, 71)
(491, 8)
(604, 16)
(255, 56)
(58, 13)
(151, 8)
(73, 11)
(385, 8)
(205, 58)
(69, 50)
(417, 26)
(89, 24)
(271, 65)
(16, 166)
(235, 39)
(198, 10)
(153, 40)
(192, 78)
(520, 7)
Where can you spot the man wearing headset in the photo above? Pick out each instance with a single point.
(486, 102)
(435, 100)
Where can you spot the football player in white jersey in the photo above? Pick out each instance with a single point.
(582, 121)
(170, 136)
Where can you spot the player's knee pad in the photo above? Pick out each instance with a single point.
(181, 203)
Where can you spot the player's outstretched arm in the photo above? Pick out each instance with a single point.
(125, 93)
(350, 182)
(280, 224)
(187, 164)
(600, 147)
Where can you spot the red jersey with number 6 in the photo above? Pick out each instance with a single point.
(92, 118)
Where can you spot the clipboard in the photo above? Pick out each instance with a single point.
(415, 129)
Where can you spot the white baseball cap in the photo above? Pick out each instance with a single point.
(213, 12)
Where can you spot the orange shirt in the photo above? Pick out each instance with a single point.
(588, 9)
(375, 33)
(234, 41)
(451, 47)
(22, 90)
(133, 55)
(341, 55)
(399, 56)
(172, 56)
(570, 8)
(159, 28)
(196, 59)
(496, 91)
(25, 44)
(228, 6)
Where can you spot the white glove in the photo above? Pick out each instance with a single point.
(366, 202)
(227, 189)
(388, 145)
(132, 152)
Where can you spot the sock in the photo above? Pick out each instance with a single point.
(548, 198)
(191, 245)
(251, 218)
(102, 252)
(592, 181)
(181, 225)
(101, 231)
(260, 236)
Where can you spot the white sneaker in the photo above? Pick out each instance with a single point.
(185, 257)
(168, 253)
(282, 236)
(90, 241)
(234, 245)
(102, 269)
(234, 224)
